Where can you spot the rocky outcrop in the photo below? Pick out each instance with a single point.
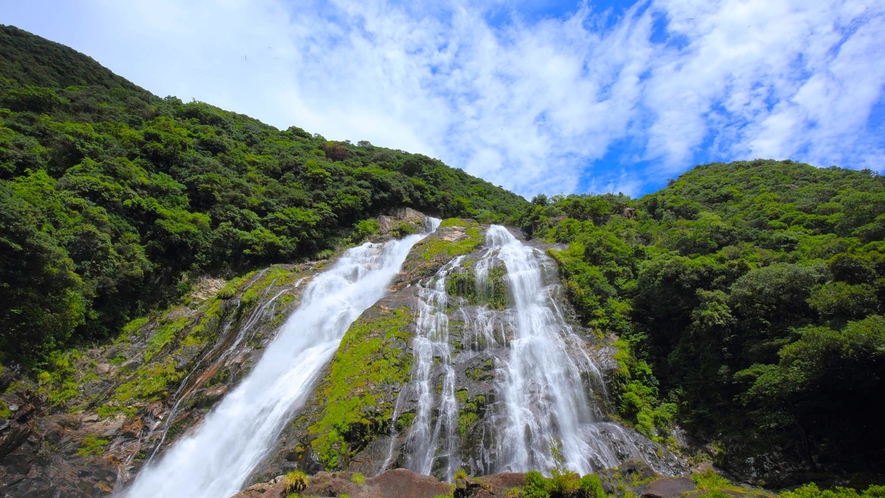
(90, 421)
(359, 416)
(633, 478)
(348, 421)
(669, 487)
(398, 483)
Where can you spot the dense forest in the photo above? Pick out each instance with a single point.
(748, 298)
(112, 199)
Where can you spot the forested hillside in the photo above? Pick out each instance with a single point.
(747, 298)
(112, 199)
(751, 296)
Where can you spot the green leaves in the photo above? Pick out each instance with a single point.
(742, 287)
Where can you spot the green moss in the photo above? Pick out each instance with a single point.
(130, 329)
(463, 283)
(591, 486)
(91, 445)
(4, 410)
(164, 335)
(274, 275)
(470, 410)
(149, 383)
(58, 382)
(405, 420)
(434, 247)
(811, 490)
(535, 485)
(295, 481)
(403, 229)
(369, 358)
(456, 222)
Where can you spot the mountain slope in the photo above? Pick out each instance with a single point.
(114, 199)
(751, 295)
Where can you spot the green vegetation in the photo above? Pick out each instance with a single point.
(469, 238)
(112, 199)
(370, 360)
(155, 353)
(811, 490)
(358, 478)
(749, 295)
(535, 485)
(93, 446)
(591, 486)
(295, 481)
(492, 292)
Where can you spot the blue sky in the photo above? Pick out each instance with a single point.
(554, 97)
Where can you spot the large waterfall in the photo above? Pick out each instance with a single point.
(543, 391)
(216, 460)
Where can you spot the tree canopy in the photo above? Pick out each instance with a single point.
(753, 291)
(110, 197)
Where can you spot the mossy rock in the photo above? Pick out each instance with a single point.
(359, 392)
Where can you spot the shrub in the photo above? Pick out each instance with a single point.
(364, 229)
(358, 479)
(535, 485)
(460, 474)
(295, 481)
(591, 486)
(402, 229)
(709, 479)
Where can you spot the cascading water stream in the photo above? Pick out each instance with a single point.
(216, 460)
(546, 418)
(426, 438)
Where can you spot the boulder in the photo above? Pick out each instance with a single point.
(402, 482)
(669, 487)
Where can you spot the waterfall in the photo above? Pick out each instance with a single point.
(432, 341)
(546, 418)
(216, 460)
(531, 395)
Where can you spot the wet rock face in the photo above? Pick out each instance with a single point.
(87, 427)
(348, 421)
(382, 411)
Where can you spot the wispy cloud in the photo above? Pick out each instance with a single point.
(589, 99)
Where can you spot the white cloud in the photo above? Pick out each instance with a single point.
(533, 105)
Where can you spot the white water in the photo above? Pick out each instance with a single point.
(545, 408)
(216, 460)
(429, 442)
